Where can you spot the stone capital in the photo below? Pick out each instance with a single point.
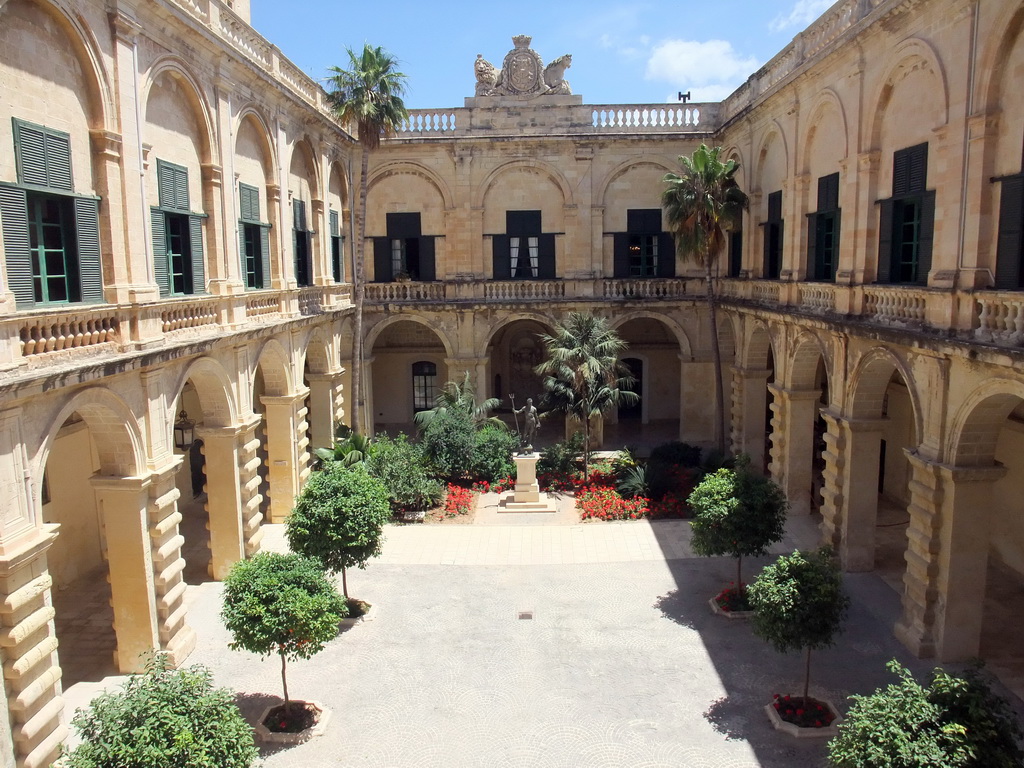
(106, 144)
(957, 475)
(292, 399)
(17, 552)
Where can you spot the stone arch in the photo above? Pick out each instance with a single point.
(178, 69)
(398, 167)
(273, 361)
(550, 172)
(803, 361)
(905, 55)
(870, 379)
(317, 352)
(375, 332)
(626, 166)
(772, 134)
(114, 429)
(252, 115)
(826, 101)
(214, 389)
(996, 54)
(975, 427)
(304, 147)
(511, 317)
(759, 344)
(733, 152)
(682, 339)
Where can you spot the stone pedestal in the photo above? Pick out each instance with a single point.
(527, 496)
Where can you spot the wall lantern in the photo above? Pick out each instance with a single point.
(184, 432)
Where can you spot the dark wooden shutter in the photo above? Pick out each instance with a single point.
(265, 256)
(927, 233)
(87, 230)
(546, 257)
(248, 202)
(1011, 224)
(900, 173)
(620, 254)
(242, 255)
(382, 260)
(814, 225)
(195, 237)
(666, 255)
(180, 188)
(643, 221)
(160, 267)
(403, 226)
(885, 219)
(17, 249)
(523, 223)
(500, 265)
(735, 253)
(828, 192)
(775, 206)
(918, 172)
(307, 261)
(781, 249)
(428, 267)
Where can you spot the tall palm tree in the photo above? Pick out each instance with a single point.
(583, 375)
(368, 95)
(701, 204)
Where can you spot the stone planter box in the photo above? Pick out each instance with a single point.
(806, 733)
(370, 615)
(716, 608)
(416, 516)
(268, 736)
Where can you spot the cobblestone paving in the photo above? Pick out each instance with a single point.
(622, 665)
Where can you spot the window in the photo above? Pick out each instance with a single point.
(736, 251)
(405, 253)
(772, 267)
(1009, 250)
(254, 239)
(823, 232)
(524, 252)
(178, 261)
(51, 235)
(302, 239)
(644, 250)
(337, 248)
(907, 221)
(424, 386)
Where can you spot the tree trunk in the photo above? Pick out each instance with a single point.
(739, 573)
(807, 675)
(586, 450)
(344, 583)
(357, 289)
(284, 682)
(716, 355)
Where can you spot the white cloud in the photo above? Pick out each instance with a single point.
(803, 13)
(710, 70)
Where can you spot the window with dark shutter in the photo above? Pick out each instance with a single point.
(411, 255)
(337, 248)
(907, 220)
(302, 240)
(172, 185)
(253, 239)
(642, 251)
(736, 252)
(179, 263)
(1009, 251)
(42, 156)
(823, 231)
(525, 252)
(772, 266)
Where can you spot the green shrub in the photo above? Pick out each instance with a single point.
(633, 481)
(281, 604)
(339, 519)
(492, 453)
(561, 459)
(675, 453)
(401, 466)
(956, 722)
(163, 717)
(448, 441)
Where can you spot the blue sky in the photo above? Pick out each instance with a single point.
(622, 52)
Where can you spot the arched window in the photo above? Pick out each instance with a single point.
(424, 386)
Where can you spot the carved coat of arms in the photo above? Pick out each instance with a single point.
(522, 73)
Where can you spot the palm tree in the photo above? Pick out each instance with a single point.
(583, 375)
(700, 204)
(368, 95)
(461, 397)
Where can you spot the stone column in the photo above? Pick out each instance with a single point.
(321, 264)
(696, 401)
(325, 394)
(32, 703)
(222, 448)
(947, 558)
(749, 400)
(123, 504)
(286, 442)
(793, 444)
(217, 274)
(280, 274)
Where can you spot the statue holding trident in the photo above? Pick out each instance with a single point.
(531, 422)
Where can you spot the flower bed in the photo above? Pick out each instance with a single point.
(604, 503)
(498, 486)
(803, 713)
(733, 599)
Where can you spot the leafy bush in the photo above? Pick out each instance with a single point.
(561, 460)
(281, 604)
(448, 441)
(632, 481)
(956, 722)
(402, 467)
(163, 717)
(737, 513)
(492, 453)
(675, 452)
(348, 449)
(339, 519)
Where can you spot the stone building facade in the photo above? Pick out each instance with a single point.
(176, 233)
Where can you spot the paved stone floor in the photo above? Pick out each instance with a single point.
(622, 664)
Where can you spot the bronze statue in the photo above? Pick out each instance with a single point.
(531, 422)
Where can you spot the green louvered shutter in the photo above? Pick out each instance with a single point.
(666, 255)
(87, 229)
(620, 255)
(241, 254)
(546, 269)
(335, 224)
(336, 252)
(43, 156)
(381, 260)
(926, 236)
(249, 202)
(160, 270)
(181, 188)
(265, 257)
(14, 212)
(500, 264)
(172, 185)
(836, 240)
(814, 224)
(885, 219)
(1011, 227)
(428, 267)
(195, 237)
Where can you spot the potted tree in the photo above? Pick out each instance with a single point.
(799, 604)
(339, 520)
(736, 513)
(283, 604)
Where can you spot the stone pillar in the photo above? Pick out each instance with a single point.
(947, 558)
(749, 401)
(324, 405)
(850, 494)
(222, 449)
(32, 703)
(793, 444)
(322, 274)
(696, 401)
(249, 477)
(286, 444)
(278, 270)
(123, 504)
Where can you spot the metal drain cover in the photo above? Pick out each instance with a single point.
(525, 615)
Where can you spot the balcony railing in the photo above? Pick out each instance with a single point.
(1000, 318)
(895, 305)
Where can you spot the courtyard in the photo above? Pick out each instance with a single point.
(621, 664)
